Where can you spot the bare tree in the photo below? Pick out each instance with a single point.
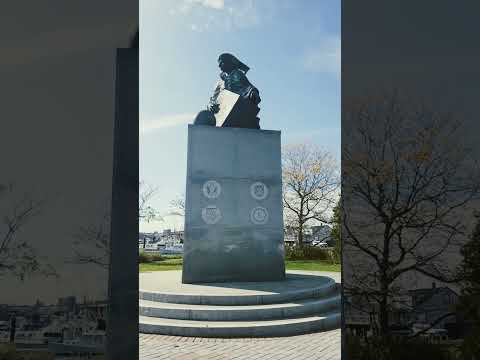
(469, 304)
(336, 232)
(146, 212)
(310, 186)
(178, 206)
(404, 185)
(91, 244)
(18, 257)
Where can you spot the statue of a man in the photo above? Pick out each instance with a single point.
(233, 78)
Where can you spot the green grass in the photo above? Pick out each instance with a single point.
(313, 265)
(9, 352)
(175, 263)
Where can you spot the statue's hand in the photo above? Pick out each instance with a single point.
(214, 108)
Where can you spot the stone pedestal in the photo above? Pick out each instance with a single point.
(233, 206)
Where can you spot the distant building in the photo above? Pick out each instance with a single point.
(311, 236)
(171, 238)
(67, 304)
(4, 312)
(420, 308)
(290, 236)
(166, 242)
(358, 317)
(322, 233)
(432, 303)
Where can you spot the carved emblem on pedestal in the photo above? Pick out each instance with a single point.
(259, 215)
(211, 214)
(259, 190)
(212, 189)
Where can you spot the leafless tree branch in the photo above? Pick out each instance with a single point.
(404, 183)
(310, 186)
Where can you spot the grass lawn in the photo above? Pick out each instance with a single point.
(9, 352)
(164, 265)
(175, 263)
(314, 265)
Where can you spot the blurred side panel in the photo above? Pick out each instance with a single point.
(59, 75)
(410, 179)
(123, 290)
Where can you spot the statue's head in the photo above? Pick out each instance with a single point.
(227, 62)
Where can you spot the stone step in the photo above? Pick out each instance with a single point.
(240, 313)
(228, 329)
(280, 293)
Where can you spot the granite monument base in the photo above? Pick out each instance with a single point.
(304, 302)
(233, 206)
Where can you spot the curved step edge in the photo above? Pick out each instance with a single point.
(194, 299)
(239, 313)
(240, 329)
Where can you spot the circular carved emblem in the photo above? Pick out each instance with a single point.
(211, 214)
(259, 190)
(212, 189)
(259, 215)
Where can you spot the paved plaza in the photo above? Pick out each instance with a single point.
(323, 345)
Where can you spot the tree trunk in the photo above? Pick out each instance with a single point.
(300, 225)
(300, 235)
(383, 309)
(384, 285)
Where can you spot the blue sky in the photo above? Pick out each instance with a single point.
(292, 48)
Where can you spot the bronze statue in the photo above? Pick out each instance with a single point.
(233, 78)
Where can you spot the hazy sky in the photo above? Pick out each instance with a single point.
(292, 48)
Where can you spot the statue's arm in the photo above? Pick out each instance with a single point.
(247, 89)
(213, 105)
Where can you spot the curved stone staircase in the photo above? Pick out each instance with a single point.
(290, 311)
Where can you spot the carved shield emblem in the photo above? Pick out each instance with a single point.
(211, 189)
(259, 190)
(211, 214)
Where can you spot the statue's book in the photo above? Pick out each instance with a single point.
(236, 111)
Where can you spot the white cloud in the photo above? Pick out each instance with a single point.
(246, 14)
(213, 4)
(326, 58)
(215, 15)
(165, 121)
